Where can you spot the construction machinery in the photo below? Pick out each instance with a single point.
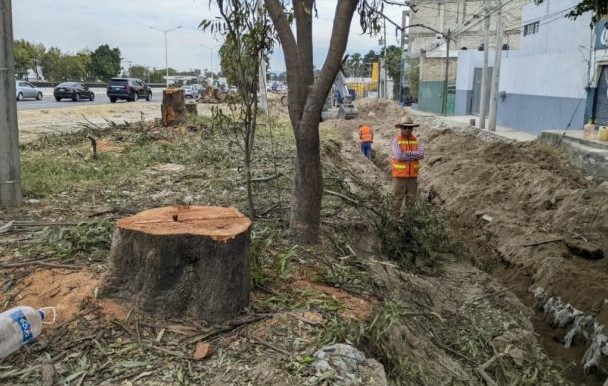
(343, 98)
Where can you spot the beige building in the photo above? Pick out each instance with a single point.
(465, 20)
(432, 20)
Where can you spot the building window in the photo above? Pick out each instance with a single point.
(531, 29)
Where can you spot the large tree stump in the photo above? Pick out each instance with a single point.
(182, 260)
(173, 108)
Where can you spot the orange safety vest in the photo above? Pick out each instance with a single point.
(406, 168)
(365, 134)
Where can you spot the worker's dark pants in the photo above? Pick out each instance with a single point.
(366, 149)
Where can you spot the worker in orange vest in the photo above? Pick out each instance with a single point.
(407, 151)
(367, 138)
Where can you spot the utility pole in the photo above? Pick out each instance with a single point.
(483, 111)
(402, 57)
(496, 72)
(444, 106)
(384, 93)
(10, 169)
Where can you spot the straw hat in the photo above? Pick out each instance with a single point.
(407, 124)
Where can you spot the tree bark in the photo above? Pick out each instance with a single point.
(305, 99)
(179, 261)
(173, 108)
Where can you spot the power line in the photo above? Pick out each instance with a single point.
(492, 12)
(556, 16)
(457, 33)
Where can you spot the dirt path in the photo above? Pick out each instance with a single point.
(528, 217)
(33, 123)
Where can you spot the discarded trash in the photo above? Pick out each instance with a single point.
(20, 326)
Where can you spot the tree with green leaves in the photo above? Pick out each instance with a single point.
(368, 60)
(105, 62)
(393, 64)
(23, 57)
(307, 94)
(51, 64)
(248, 39)
(38, 50)
(411, 75)
(599, 8)
(139, 71)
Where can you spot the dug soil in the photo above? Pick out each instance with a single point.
(529, 218)
(523, 216)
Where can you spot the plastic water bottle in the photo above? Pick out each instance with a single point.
(20, 326)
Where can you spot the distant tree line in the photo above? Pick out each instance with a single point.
(53, 65)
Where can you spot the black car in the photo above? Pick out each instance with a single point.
(74, 91)
(130, 89)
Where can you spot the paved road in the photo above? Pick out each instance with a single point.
(48, 102)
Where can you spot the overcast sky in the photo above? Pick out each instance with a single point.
(73, 25)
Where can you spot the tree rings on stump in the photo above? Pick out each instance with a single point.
(183, 260)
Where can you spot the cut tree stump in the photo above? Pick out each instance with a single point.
(182, 260)
(173, 108)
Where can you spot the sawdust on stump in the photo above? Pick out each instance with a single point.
(183, 260)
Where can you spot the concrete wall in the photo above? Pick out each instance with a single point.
(534, 113)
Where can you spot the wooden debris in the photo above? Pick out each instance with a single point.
(202, 351)
(544, 242)
(6, 227)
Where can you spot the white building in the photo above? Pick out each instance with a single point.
(543, 85)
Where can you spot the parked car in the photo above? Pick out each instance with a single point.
(129, 89)
(26, 90)
(190, 92)
(72, 90)
(199, 89)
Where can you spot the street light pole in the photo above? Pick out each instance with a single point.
(211, 49)
(166, 31)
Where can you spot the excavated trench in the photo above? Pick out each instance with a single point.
(528, 219)
(569, 361)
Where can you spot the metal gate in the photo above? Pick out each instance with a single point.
(601, 98)
(476, 100)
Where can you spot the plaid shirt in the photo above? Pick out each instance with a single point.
(407, 155)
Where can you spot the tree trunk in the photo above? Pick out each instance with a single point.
(306, 98)
(173, 109)
(178, 261)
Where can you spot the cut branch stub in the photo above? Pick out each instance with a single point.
(183, 260)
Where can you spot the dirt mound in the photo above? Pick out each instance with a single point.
(531, 197)
(380, 108)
